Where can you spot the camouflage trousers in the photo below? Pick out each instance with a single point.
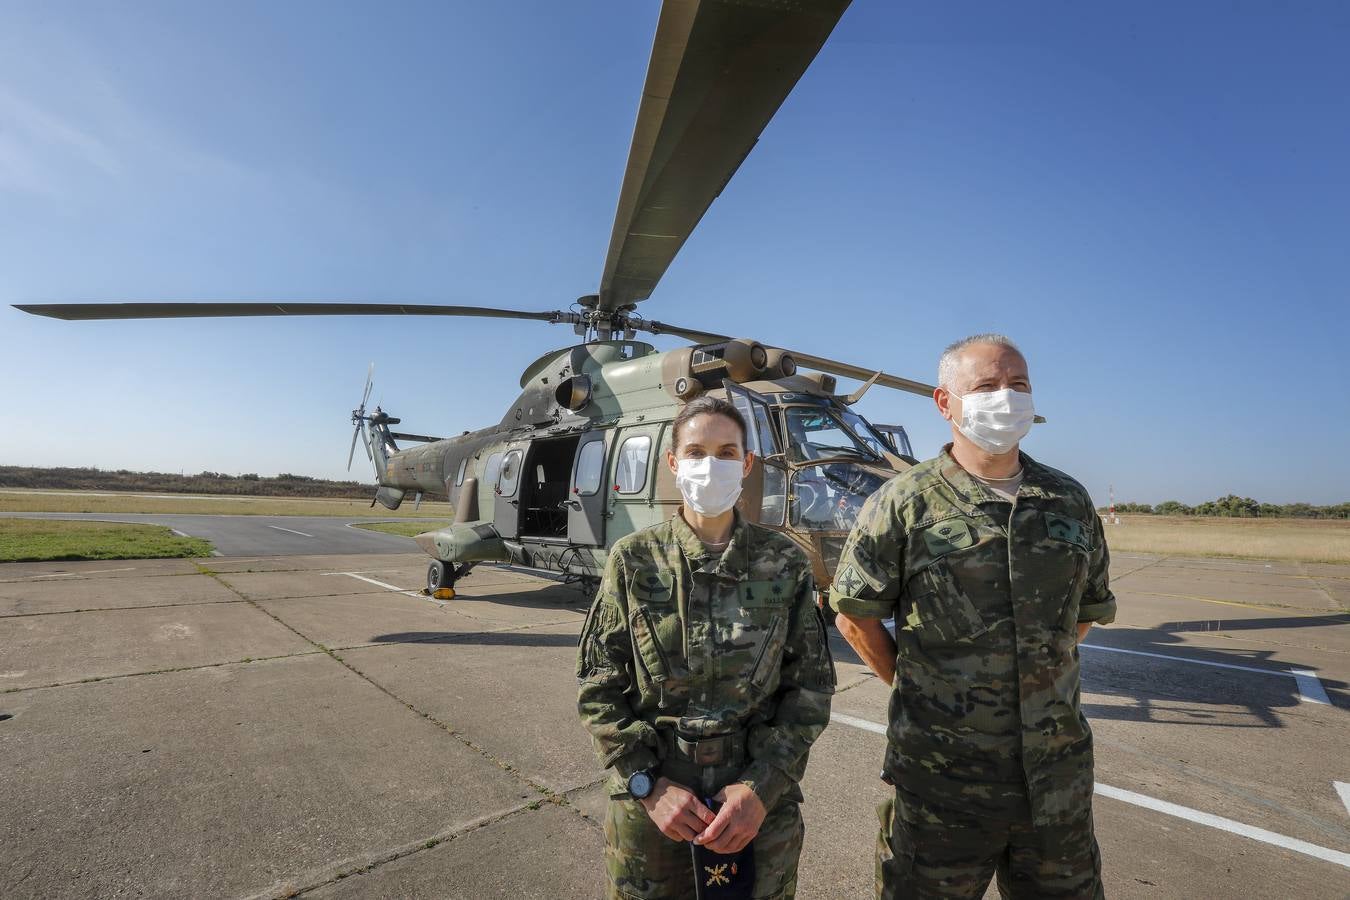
(643, 863)
(955, 858)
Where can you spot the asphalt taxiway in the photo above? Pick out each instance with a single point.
(312, 726)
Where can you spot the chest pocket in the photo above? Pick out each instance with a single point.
(759, 631)
(945, 537)
(940, 611)
(658, 633)
(1071, 541)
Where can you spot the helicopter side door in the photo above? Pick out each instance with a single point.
(586, 492)
(506, 508)
(634, 454)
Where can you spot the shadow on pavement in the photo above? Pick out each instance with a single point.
(484, 638)
(1197, 685)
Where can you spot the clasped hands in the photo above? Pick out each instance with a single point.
(681, 816)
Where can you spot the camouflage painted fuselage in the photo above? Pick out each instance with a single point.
(631, 392)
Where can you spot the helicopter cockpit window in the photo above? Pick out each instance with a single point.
(630, 472)
(828, 497)
(814, 433)
(590, 467)
(459, 474)
(864, 431)
(510, 474)
(491, 470)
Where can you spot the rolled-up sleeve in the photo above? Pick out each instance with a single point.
(1098, 604)
(867, 581)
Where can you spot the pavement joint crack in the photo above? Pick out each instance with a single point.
(402, 852)
(66, 612)
(444, 726)
(247, 660)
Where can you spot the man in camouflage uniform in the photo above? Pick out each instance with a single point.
(709, 669)
(993, 567)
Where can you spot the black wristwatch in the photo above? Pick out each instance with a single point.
(641, 783)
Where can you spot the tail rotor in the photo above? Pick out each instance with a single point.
(359, 419)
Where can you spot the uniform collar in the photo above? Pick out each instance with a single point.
(731, 563)
(1037, 480)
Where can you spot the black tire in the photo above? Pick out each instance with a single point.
(439, 575)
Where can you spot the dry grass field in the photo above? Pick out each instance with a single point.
(409, 528)
(1304, 540)
(13, 500)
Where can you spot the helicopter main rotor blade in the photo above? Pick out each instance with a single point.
(820, 363)
(719, 70)
(186, 310)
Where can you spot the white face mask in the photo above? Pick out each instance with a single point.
(710, 486)
(995, 421)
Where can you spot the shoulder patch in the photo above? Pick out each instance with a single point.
(1062, 528)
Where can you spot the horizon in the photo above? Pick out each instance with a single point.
(1151, 201)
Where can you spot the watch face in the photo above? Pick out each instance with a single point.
(640, 785)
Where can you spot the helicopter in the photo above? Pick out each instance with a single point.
(576, 462)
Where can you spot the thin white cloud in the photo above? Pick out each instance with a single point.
(35, 143)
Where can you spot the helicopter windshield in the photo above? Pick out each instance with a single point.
(828, 497)
(815, 433)
(865, 432)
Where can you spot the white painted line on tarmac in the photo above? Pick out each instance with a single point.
(1325, 854)
(89, 572)
(857, 723)
(292, 531)
(1248, 831)
(1344, 790)
(388, 587)
(1309, 685)
(1310, 688)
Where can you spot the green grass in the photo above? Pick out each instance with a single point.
(407, 529)
(39, 540)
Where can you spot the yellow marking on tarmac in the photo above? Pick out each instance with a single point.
(1283, 609)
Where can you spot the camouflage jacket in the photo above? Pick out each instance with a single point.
(709, 644)
(986, 596)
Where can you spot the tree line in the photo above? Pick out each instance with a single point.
(80, 479)
(1238, 507)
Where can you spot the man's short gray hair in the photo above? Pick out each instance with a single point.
(951, 357)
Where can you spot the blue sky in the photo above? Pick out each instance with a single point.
(1152, 199)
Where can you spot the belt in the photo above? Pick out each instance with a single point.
(722, 750)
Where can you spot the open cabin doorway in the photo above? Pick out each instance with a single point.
(546, 481)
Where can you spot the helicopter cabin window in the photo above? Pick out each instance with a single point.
(630, 472)
(590, 467)
(510, 474)
(774, 503)
(459, 474)
(490, 471)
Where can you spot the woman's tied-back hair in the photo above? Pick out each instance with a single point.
(707, 406)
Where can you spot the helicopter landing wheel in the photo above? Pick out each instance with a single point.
(440, 577)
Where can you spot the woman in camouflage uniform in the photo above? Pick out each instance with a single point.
(705, 676)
